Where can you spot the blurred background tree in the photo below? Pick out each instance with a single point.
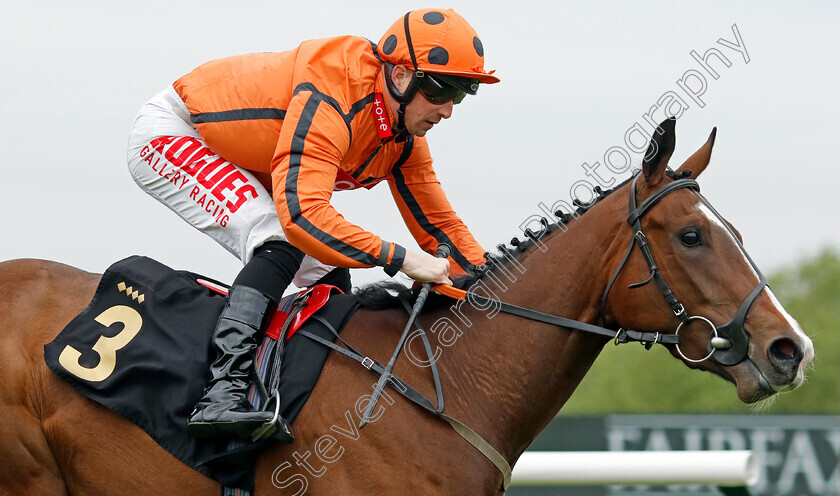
(629, 379)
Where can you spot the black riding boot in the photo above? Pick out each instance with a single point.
(224, 411)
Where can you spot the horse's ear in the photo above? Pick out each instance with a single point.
(659, 151)
(697, 163)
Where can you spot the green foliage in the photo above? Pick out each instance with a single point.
(628, 379)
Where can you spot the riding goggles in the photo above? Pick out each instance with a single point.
(440, 89)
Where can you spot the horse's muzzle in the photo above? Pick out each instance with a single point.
(786, 356)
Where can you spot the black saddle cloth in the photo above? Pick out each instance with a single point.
(142, 348)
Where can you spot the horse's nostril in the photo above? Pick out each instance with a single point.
(784, 349)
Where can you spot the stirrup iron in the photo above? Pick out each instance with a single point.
(268, 429)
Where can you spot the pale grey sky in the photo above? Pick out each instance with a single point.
(576, 76)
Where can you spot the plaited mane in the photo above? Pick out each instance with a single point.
(385, 294)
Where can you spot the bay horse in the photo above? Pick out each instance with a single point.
(504, 376)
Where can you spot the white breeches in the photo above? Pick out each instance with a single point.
(169, 160)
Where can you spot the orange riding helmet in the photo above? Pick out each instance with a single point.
(445, 52)
(439, 41)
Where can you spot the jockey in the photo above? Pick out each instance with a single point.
(332, 114)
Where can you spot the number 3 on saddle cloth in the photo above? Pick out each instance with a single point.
(142, 348)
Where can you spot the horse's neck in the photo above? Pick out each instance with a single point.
(510, 375)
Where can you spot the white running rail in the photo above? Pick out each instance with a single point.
(598, 468)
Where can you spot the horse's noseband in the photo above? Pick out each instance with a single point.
(728, 343)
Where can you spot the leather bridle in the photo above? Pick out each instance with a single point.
(729, 343)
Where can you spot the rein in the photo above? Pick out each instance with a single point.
(621, 336)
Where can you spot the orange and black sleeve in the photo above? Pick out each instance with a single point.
(426, 210)
(314, 138)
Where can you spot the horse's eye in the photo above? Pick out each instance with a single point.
(690, 238)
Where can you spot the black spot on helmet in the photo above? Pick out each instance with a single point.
(438, 56)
